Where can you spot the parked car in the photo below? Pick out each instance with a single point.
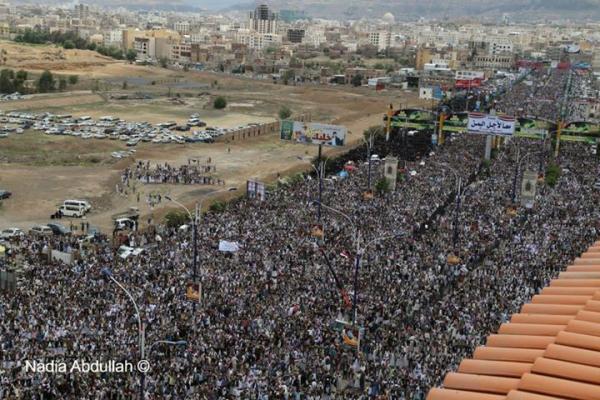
(4, 194)
(11, 233)
(58, 229)
(41, 230)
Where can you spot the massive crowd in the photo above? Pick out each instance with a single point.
(542, 95)
(188, 174)
(266, 326)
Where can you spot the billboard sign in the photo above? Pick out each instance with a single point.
(528, 189)
(484, 124)
(193, 292)
(313, 133)
(255, 190)
(391, 170)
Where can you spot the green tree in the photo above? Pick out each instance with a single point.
(46, 82)
(218, 206)
(73, 79)
(22, 75)
(357, 80)
(68, 44)
(176, 218)
(220, 103)
(285, 112)
(62, 84)
(382, 186)
(6, 81)
(374, 131)
(131, 55)
(164, 62)
(552, 175)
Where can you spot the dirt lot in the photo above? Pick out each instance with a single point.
(43, 171)
(33, 57)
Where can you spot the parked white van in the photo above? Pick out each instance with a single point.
(76, 211)
(78, 203)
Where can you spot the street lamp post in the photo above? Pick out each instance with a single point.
(360, 249)
(458, 178)
(142, 339)
(194, 220)
(369, 144)
(320, 171)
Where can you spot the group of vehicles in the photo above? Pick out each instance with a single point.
(69, 208)
(111, 128)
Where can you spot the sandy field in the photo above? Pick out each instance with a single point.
(41, 171)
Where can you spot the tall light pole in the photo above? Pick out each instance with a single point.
(142, 337)
(455, 232)
(360, 249)
(369, 144)
(194, 220)
(320, 171)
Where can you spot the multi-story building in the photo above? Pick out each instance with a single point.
(181, 52)
(183, 27)
(145, 47)
(493, 62)
(263, 20)
(295, 35)
(381, 39)
(113, 38)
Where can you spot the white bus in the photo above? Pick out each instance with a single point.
(72, 211)
(79, 203)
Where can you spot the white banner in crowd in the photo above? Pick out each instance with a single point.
(66, 258)
(484, 124)
(228, 247)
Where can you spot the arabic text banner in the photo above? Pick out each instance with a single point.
(485, 124)
(313, 133)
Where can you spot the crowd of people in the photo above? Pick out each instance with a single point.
(267, 325)
(190, 174)
(550, 94)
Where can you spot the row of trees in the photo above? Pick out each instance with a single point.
(47, 83)
(70, 40)
(11, 81)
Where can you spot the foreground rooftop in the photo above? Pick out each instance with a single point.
(550, 350)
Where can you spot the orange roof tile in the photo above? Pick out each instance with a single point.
(548, 351)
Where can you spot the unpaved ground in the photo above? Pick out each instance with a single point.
(37, 190)
(54, 100)
(34, 57)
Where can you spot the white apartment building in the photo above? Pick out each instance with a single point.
(113, 38)
(183, 27)
(380, 39)
(500, 46)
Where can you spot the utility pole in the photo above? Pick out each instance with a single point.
(195, 262)
(320, 171)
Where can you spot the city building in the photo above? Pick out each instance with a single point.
(295, 35)
(263, 20)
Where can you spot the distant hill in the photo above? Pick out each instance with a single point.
(402, 9)
(411, 9)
